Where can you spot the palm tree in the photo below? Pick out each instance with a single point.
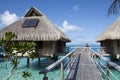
(114, 8)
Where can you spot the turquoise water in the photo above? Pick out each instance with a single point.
(35, 67)
(114, 74)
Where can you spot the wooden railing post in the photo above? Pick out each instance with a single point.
(62, 71)
(99, 63)
(45, 77)
(107, 71)
(57, 63)
(69, 63)
(95, 56)
(92, 56)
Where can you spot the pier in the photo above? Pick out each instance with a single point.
(84, 69)
(80, 65)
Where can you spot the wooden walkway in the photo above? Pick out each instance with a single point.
(84, 68)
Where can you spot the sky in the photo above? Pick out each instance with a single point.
(81, 20)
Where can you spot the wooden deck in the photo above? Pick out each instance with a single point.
(84, 68)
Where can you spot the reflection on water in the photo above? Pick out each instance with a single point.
(34, 68)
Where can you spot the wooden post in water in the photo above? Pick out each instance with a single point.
(6, 66)
(45, 77)
(38, 60)
(62, 71)
(49, 60)
(107, 71)
(28, 61)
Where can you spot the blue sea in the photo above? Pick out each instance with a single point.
(35, 67)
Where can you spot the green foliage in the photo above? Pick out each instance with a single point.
(26, 74)
(14, 62)
(9, 36)
(1, 42)
(32, 55)
(15, 48)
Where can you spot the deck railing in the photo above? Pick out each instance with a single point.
(71, 57)
(96, 56)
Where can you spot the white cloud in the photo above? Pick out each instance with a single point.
(76, 7)
(7, 18)
(68, 27)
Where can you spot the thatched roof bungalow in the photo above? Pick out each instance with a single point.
(35, 26)
(110, 39)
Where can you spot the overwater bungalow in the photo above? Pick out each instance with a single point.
(35, 26)
(110, 39)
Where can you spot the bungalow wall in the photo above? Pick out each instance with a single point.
(51, 48)
(60, 47)
(108, 46)
(112, 47)
(118, 48)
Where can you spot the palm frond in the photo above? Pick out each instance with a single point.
(114, 8)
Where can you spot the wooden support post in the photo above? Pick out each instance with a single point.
(38, 60)
(28, 61)
(99, 63)
(69, 64)
(89, 49)
(91, 54)
(107, 71)
(45, 77)
(94, 56)
(49, 60)
(74, 57)
(62, 71)
(68, 50)
(6, 66)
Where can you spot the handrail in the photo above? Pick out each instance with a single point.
(94, 52)
(50, 67)
(93, 55)
(114, 65)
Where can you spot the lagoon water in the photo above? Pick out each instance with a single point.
(35, 67)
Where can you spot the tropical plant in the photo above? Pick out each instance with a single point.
(13, 49)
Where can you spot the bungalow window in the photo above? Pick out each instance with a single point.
(30, 23)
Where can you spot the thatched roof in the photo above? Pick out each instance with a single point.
(111, 33)
(44, 31)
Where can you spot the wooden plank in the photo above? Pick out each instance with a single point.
(74, 69)
(85, 68)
